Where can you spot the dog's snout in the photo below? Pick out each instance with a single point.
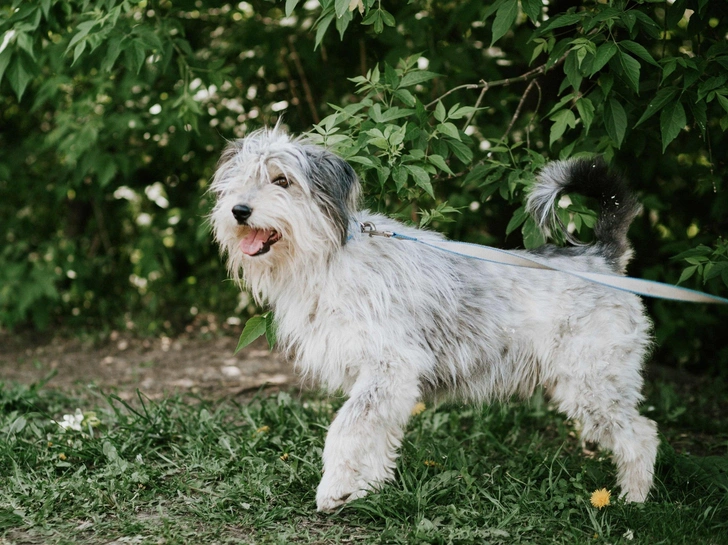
(242, 213)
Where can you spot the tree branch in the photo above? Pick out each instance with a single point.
(485, 85)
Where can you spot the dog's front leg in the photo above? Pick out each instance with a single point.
(361, 446)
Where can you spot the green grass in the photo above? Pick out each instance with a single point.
(192, 471)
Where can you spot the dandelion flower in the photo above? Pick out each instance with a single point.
(263, 429)
(600, 498)
(418, 408)
(430, 463)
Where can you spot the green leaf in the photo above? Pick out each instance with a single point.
(672, 121)
(399, 175)
(559, 21)
(4, 61)
(504, 19)
(341, 7)
(321, 27)
(638, 50)
(585, 107)
(449, 129)
(421, 178)
(460, 150)
(416, 77)
(723, 101)
(440, 163)
(440, 113)
(687, 273)
(519, 216)
(532, 8)
(561, 119)
(604, 52)
(290, 6)
(271, 329)
(615, 121)
(631, 70)
(662, 97)
(19, 75)
(254, 328)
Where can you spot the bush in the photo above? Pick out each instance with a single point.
(114, 113)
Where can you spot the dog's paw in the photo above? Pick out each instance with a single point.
(337, 488)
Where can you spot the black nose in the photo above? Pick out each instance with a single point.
(242, 213)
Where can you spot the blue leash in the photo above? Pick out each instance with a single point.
(638, 286)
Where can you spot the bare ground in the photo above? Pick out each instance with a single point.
(194, 363)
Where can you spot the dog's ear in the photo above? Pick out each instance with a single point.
(335, 187)
(224, 164)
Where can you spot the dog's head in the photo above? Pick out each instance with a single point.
(280, 198)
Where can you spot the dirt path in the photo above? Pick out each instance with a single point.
(197, 364)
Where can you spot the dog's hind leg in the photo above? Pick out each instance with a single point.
(362, 442)
(606, 407)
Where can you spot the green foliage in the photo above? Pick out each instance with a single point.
(445, 109)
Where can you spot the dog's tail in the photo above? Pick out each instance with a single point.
(592, 178)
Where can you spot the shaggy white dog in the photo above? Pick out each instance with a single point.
(391, 321)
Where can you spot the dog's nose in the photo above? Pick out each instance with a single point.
(242, 213)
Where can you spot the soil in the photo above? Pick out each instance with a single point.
(194, 363)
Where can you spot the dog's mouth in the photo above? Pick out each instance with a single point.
(259, 241)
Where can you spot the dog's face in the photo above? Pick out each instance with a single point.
(279, 199)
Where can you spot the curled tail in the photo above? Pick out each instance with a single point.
(592, 178)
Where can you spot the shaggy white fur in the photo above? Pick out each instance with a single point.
(390, 321)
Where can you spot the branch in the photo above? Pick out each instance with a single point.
(518, 109)
(304, 81)
(485, 85)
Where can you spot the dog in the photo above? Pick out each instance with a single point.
(390, 322)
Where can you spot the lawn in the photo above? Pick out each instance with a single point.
(187, 470)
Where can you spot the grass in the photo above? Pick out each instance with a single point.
(193, 471)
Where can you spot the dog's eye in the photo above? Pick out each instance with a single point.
(282, 181)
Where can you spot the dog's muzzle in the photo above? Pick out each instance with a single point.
(255, 241)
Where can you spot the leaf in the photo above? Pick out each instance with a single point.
(440, 112)
(631, 70)
(461, 151)
(449, 129)
(440, 163)
(559, 21)
(416, 77)
(687, 273)
(519, 216)
(421, 178)
(605, 52)
(532, 8)
(504, 19)
(615, 121)
(4, 61)
(585, 108)
(561, 119)
(662, 97)
(321, 27)
(672, 121)
(290, 6)
(341, 7)
(254, 328)
(19, 75)
(270, 329)
(638, 50)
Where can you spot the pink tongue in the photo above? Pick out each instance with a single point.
(254, 241)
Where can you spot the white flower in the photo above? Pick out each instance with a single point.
(71, 421)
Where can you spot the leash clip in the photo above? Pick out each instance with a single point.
(370, 229)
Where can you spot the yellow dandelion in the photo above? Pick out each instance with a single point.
(263, 429)
(62, 456)
(284, 457)
(418, 408)
(430, 463)
(600, 498)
